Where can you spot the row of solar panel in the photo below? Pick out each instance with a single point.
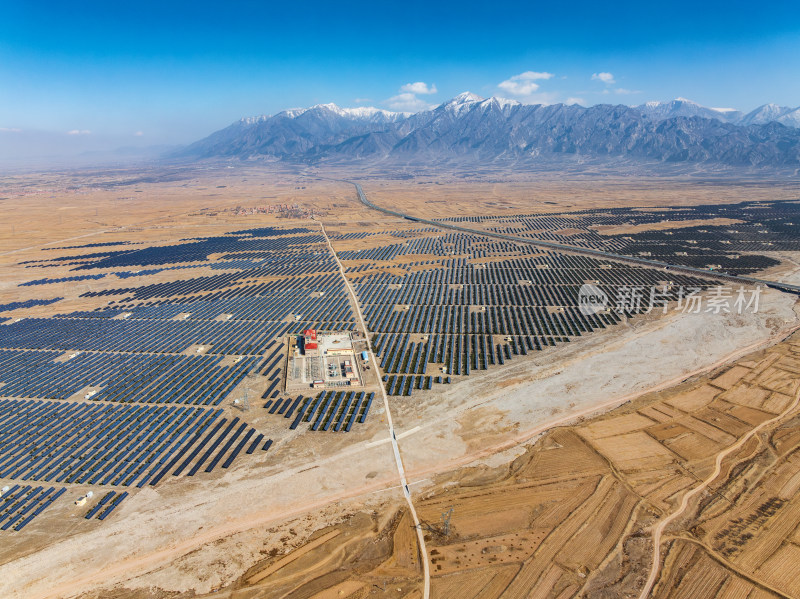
(332, 306)
(404, 385)
(61, 280)
(340, 409)
(160, 378)
(21, 504)
(94, 443)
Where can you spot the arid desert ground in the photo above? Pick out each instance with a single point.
(640, 451)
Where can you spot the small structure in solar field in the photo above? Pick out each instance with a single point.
(322, 360)
(84, 498)
(339, 346)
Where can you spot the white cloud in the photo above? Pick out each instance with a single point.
(138, 134)
(529, 75)
(79, 132)
(523, 84)
(571, 101)
(419, 87)
(606, 78)
(546, 98)
(10, 130)
(362, 100)
(625, 92)
(516, 88)
(407, 102)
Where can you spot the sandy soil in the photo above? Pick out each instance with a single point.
(592, 371)
(543, 194)
(183, 518)
(187, 536)
(663, 225)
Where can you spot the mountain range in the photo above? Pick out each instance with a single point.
(471, 128)
(768, 113)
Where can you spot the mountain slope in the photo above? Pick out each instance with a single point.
(683, 107)
(470, 128)
(768, 113)
(293, 132)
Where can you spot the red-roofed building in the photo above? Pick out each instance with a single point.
(310, 347)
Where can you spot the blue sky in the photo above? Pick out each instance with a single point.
(170, 72)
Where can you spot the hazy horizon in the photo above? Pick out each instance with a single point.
(108, 76)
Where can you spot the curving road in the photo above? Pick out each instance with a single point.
(687, 497)
(715, 276)
(561, 247)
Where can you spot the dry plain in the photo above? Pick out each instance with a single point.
(552, 494)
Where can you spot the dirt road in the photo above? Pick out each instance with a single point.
(659, 529)
(141, 564)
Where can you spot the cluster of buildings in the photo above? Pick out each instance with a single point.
(286, 209)
(336, 355)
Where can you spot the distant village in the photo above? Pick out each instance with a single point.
(282, 210)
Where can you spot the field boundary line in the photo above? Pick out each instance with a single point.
(725, 563)
(659, 529)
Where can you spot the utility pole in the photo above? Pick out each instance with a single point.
(251, 376)
(446, 522)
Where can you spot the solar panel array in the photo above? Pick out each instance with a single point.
(481, 303)
(334, 410)
(103, 508)
(146, 378)
(736, 247)
(126, 395)
(22, 503)
(130, 394)
(28, 304)
(105, 444)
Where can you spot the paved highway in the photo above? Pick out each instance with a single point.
(632, 260)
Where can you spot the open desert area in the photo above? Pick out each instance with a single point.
(438, 300)
(494, 441)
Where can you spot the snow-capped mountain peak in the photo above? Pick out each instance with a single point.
(766, 114)
(791, 118)
(466, 98)
(683, 107)
(358, 113)
(461, 103)
(252, 120)
(501, 102)
(365, 112)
